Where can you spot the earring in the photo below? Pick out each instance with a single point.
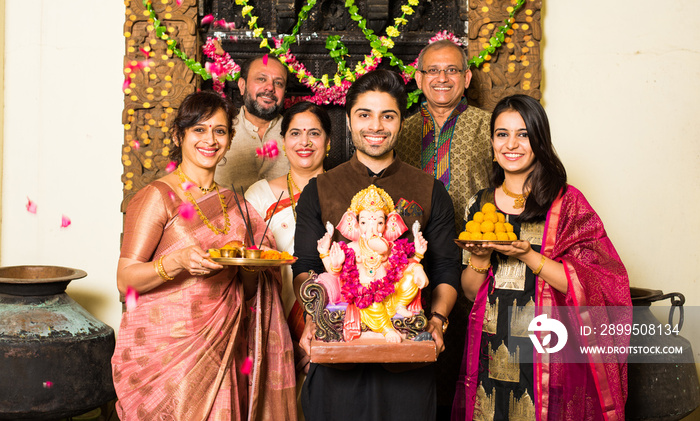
(494, 159)
(328, 149)
(284, 151)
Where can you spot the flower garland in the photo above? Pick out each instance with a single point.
(353, 292)
(225, 69)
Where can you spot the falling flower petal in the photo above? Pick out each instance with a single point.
(186, 210)
(247, 365)
(220, 22)
(48, 384)
(171, 195)
(131, 298)
(207, 19)
(136, 145)
(125, 85)
(31, 206)
(65, 221)
(172, 166)
(264, 60)
(144, 52)
(259, 152)
(188, 185)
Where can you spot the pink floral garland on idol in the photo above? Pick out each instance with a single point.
(353, 292)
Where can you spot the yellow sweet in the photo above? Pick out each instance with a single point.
(499, 227)
(473, 226)
(488, 208)
(487, 226)
(491, 216)
(490, 236)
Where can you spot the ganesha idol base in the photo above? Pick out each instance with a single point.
(329, 346)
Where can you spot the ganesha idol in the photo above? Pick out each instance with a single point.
(371, 287)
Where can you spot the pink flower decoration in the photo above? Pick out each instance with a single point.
(220, 22)
(131, 298)
(268, 150)
(207, 19)
(178, 2)
(188, 185)
(186, 210)
(31, 206)
(48, 384)
(65, 221)
(172, 166)
(247, 365)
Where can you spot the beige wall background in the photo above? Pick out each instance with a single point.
(621, 81)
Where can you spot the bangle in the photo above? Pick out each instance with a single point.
(482, 271)
(336, 270)
(418, 256)
(539, 269)
(160, 270)
(324, 255)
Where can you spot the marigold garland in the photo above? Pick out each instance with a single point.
(225, 69)
(353, 292)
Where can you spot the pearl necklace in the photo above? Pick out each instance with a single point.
(519, 198)
(205, 220)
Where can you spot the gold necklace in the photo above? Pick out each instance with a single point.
(519, 198)
(370, 258)
(205, 220)
(291, 185)
(204, 190)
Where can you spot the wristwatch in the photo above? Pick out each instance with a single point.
(443, 319)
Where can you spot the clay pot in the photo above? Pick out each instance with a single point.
(54, 355)
(661, 389)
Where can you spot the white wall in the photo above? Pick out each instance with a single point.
(62, 138)
(622, 81)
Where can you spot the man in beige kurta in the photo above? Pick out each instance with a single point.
(262, 84)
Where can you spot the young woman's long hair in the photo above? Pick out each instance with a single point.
(548, 176)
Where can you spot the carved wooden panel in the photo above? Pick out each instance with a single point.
(515, 68)
(159, 83)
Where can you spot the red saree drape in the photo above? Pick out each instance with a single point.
(574, 235)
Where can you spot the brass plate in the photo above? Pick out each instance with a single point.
(241, 261)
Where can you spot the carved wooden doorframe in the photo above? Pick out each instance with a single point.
(152, 99)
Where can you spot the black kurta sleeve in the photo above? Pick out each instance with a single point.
(309, 229)
(442, 260)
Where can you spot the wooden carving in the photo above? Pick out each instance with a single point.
(515, 67)
(158, 85)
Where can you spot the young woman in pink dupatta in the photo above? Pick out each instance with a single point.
(203, 342)
(563, 258)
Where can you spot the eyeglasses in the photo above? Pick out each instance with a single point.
(434, 72)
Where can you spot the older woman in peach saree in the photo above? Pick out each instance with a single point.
(204, 342)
